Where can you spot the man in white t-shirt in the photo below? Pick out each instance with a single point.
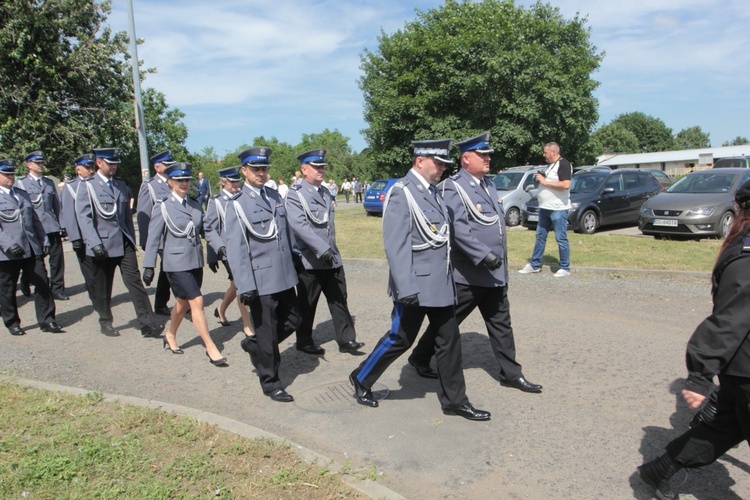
(554, 203)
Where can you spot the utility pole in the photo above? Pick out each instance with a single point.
(140, 123)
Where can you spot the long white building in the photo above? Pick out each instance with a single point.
(676, 162)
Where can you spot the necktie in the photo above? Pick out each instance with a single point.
(109, 185)
(433, 192)
(184, 203)
(39, 180)
(13, 194)
(263, 195)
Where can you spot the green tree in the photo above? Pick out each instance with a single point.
(523, 74)
(652, 133)
(338, 152)
(692, 138)
(737, 141)
(615, 138)
(64, 80)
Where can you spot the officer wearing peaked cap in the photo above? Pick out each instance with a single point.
(22, 238)
(85, 166)
(479, 258)
(259, 249)
(311, 216)
(106, 222)
(154, 189)
(43, 194)
(416, 235)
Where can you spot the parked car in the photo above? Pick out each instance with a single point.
(375, 196)
(513, 188)
(699, 204)
(664, 179)
(733, 162)
(602, 197)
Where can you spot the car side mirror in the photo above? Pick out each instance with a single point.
(609, 190)
(529, 188)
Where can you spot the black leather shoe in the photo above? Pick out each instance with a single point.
(109, 331)
(163, 311)
(423, 371)
(523, 385)
(152, 330)
(249, 344)
(363, 394)
(25, 289)
(352, 347)
(311, 349)
(222, 323)
(16, 330)
(51, 327)
(280, 395)
(61, 296)
(467, 411)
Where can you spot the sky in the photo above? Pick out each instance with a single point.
(240, 69)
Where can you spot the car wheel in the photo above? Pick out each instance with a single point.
(587, 224)
(725, 223)
(512, 217)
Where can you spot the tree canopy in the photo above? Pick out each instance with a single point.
(523, 74)
(737, 141)
(692, 138)
(651, 132)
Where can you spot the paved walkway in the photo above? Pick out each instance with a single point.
(608, 349)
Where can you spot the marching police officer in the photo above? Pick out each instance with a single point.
(44, 196)
(156, 188)
(416, 232)
(22, 238)
(310, 212)
(84, 168)
(106, 222)
(259, 249)
(479, 258)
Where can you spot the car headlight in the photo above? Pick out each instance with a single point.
(646, 211)
(704, 211)
(523, 207)
(574, 206)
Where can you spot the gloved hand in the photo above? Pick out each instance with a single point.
(15, 251)
(100, 253)
(213, 266)
(63, 232)
(77, 245)
(492, 261)
(247, 297)
(148, 275)
(222, 253)
(410, 300)
(328, 257)
(45, 250)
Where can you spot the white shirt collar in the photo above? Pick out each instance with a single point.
(5, 189)
(178, 198)
(421, 179)
(34, 177)
(102, 177)
(255, 189)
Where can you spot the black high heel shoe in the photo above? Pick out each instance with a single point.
(216, 362)
(222, 323)
(174, 351)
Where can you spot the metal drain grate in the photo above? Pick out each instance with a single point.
(334, 397)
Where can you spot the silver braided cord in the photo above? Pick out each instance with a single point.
(471, 210)
(188, 232)
(12, 217)
(35, 202)
(309, 214)
(430, 235)
(98, 207)
(272, 229)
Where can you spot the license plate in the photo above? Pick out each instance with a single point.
(665, 222)
(533, 218)
(370, 197)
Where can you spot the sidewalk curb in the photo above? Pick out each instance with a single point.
(369, 488)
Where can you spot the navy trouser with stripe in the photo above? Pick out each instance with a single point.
(405, 325)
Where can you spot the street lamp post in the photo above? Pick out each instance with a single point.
(140, 123)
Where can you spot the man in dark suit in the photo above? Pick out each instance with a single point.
(416, 232)
(106, 222)
(204, 190)
(310, 212)
(46, 200)
(259, 250)
(479, 258)
(22, 238)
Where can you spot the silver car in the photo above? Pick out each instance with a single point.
(699, 204)
(514, 188)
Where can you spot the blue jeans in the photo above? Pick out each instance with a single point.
(557, 221)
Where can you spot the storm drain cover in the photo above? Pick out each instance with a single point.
(334, 397)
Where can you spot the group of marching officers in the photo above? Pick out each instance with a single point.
(280, 255)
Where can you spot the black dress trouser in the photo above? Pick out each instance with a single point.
(332, 283)
(35, 272)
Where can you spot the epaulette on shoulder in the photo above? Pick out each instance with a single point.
(88, 179)
(399, 184)
(454, 177)
(117, 178)
(162, 200)
(217, 195)
(297, 187)
(746, 244)
(235, 195)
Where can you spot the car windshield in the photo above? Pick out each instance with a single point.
(703, 183)
(378, 185)
(586, 183)
(507, 181)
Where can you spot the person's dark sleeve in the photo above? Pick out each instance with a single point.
(564, 170)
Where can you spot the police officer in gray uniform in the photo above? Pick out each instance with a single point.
(84, 167)
(44, 196)
(310, 212)
(22, 238)
(416, 235)
(106, 222)
(479, 256)
(156, 188)
(259, 249)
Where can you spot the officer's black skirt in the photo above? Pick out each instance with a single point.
(186, 285)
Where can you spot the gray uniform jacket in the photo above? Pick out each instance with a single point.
(424, 272)
(154, 189)
(313, 238)
(472, 241)
(182, 252)
(20, 224)
(259, 264)
(104, 215)
(68, 209)
(214, 224)
(45, 200)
